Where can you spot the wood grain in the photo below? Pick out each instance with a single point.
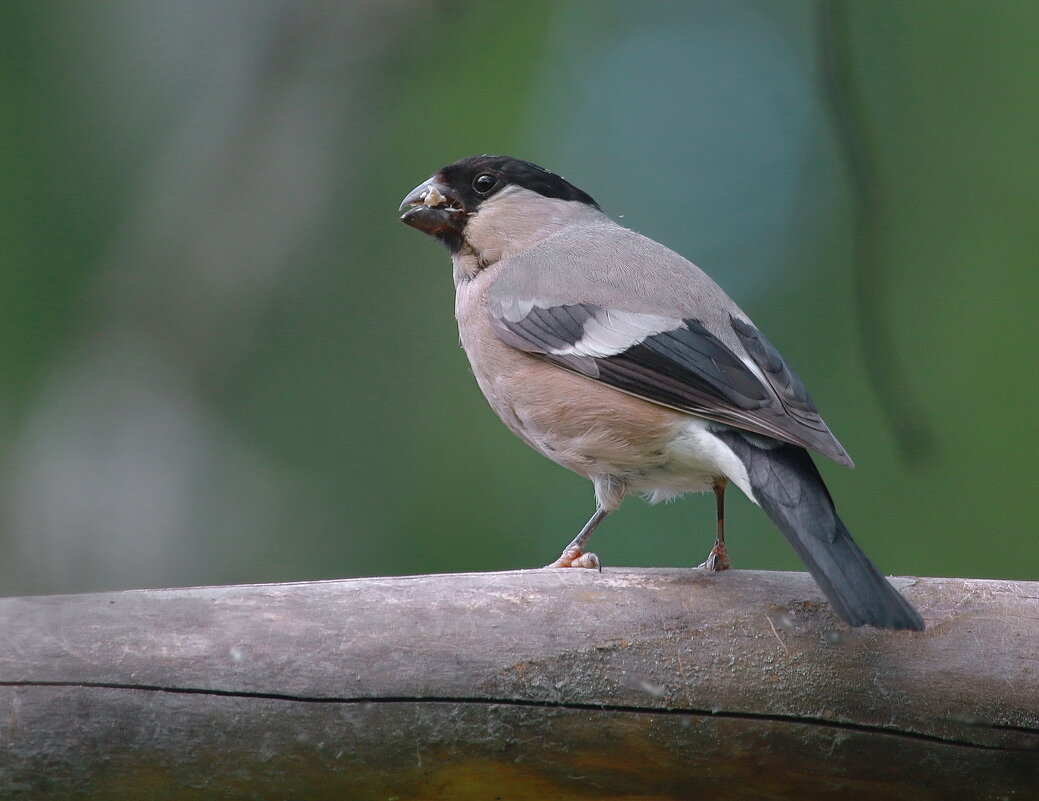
(660, 684)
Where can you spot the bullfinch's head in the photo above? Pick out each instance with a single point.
(487, 203)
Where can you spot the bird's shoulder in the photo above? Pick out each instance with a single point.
(613, 267)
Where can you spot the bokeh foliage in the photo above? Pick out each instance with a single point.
(225, 360)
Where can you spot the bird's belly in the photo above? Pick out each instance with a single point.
(598, 432)
(697, 459)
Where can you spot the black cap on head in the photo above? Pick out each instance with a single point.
(442, 206)
(479, 177)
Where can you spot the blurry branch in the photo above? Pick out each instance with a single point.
(887, 375)
(547, 684)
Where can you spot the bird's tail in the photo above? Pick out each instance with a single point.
(787, 485)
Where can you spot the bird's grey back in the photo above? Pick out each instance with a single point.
(616, 268)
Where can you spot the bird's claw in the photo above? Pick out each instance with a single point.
(575, 557)
(717, 559)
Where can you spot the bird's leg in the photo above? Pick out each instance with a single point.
(718, 558)
(573, 555)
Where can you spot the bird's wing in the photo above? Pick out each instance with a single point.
(669, 359)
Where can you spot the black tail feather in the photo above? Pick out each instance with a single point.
(787, 485)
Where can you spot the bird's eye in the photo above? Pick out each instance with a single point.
(484, 183)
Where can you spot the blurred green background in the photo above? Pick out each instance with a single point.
(225, 360)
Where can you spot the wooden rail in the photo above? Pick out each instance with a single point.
(542, 684)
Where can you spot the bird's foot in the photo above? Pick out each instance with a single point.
(575, 557)
(717, 559)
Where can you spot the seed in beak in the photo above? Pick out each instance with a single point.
(433, 198)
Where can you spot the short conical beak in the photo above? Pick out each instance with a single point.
(433, 210)
(430, 193)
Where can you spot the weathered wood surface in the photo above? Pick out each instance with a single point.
(658, 684)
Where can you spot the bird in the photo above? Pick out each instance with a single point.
(619, 359)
